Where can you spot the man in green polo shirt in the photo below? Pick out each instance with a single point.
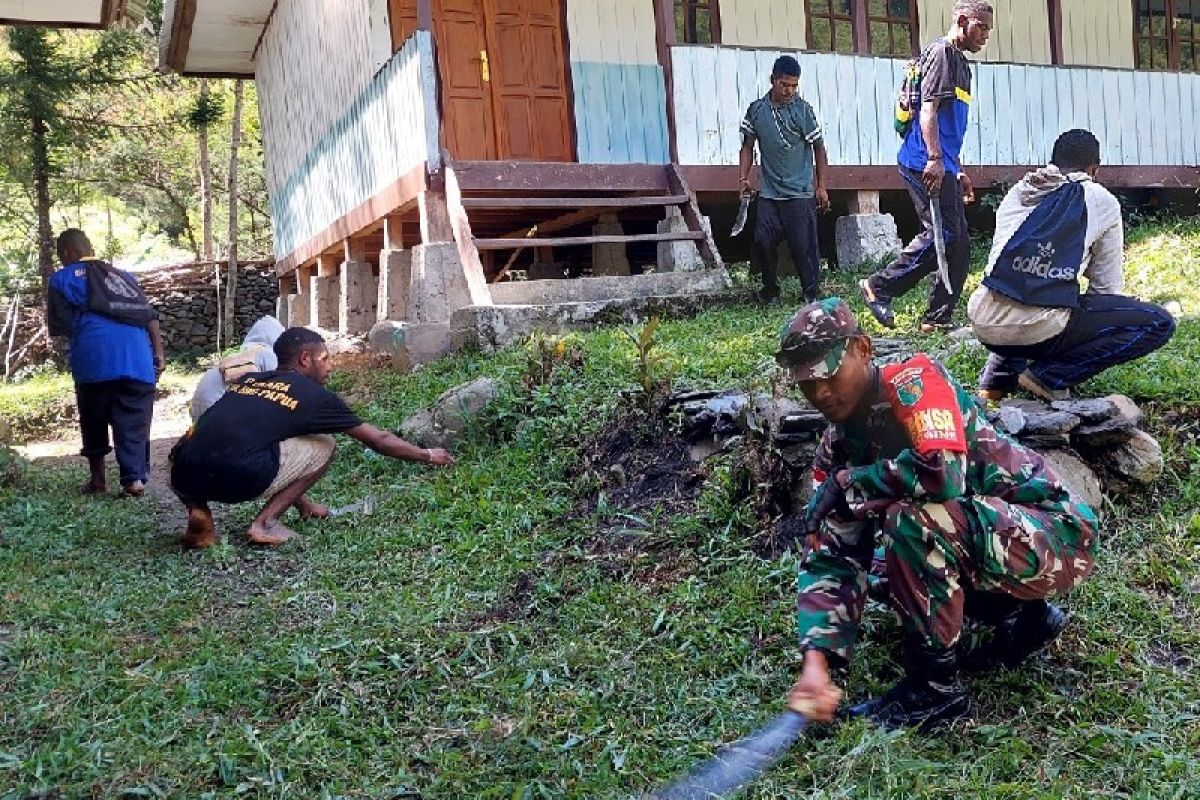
(794, 164)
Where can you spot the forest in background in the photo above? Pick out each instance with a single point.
(97, 138)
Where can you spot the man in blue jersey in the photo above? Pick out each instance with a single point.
(115, 364)
(931, 166)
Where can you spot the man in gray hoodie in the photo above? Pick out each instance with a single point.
(257, 354)
(1054, 227)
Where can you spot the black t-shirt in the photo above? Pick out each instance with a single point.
(231, 454)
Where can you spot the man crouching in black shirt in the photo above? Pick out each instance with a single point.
(269, 436)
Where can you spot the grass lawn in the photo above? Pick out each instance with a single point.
(477, 637)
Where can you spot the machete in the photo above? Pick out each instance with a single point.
(737, 764)
(939, 239)
(740, 222)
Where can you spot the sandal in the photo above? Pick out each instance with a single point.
(881, 310)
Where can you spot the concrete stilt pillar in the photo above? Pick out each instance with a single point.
(609, 259)
(283, 304)
(865, 235)
(299, 310)
(395, 284)
(682, 256)
(323, 296)
(439, 285)
(356, 297)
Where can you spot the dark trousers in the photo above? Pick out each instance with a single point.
(796, 221)
(1105, 330)
(919, 258)
(125, 406)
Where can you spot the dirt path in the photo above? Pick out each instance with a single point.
(171, 419)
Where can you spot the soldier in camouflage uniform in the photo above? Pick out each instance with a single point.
(971, 523)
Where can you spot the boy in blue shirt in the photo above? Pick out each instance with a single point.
(115, 366)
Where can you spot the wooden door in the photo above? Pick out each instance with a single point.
(528, 79)
(463, 60)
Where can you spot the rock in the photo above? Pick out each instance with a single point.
(457, 407)
(1009, 417)
(963, 334)
(1136, 462)
(861, 238)
(421, 430)
(1050, 423)
(1113, 429)
(807, 420)
(411, 344)
(1047, 441)
(1077, 476)
(1089, 411)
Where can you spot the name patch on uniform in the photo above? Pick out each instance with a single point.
(926, 405)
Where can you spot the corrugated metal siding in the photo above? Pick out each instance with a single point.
(309, 43)
(388, 129)
(1021, 33)
(612, 31)
(1098, 33)
(1141, 118)
(764, 23)
(620, 113)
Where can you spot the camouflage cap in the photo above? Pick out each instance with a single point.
(813, 342)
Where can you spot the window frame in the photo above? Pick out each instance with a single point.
(1172, 38)
(714, 19)
(860, 19)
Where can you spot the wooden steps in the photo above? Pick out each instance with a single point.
(572, 241)
(517, 208)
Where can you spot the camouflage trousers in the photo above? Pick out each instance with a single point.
(934, 554)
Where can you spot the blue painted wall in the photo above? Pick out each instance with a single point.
(620, 113)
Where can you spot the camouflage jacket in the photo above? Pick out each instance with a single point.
(925, 440)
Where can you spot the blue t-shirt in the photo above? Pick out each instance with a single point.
(101, 349)
(945, 76)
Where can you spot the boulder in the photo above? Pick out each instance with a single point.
(1077, 476)
(1112, 429)
(451, 415)
(1136, 462)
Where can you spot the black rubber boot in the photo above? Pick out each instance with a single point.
(1025, 630)
(929, 694)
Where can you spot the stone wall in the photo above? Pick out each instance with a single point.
(187, 305)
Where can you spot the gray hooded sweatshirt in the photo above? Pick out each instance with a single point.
(1000, 320)
(260, 341)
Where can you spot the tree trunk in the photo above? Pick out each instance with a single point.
(41, 192)
(206, 201)
(231, 277)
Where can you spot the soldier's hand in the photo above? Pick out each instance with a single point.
(829, 498)
(815, 695)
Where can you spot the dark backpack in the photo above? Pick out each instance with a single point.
(117, 296)
(1039, 265)
(908, 98)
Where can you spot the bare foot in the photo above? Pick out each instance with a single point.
(272, 533)
(91, 487)
(200, 530)
(309, 509)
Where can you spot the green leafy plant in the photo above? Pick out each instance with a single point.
(653, 376)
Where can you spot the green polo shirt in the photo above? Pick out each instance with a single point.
(786, 136)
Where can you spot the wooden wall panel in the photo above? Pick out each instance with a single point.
(612, 31)
(764, 23)
(1098, 32)
(1021, 34)
(1141, 118)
